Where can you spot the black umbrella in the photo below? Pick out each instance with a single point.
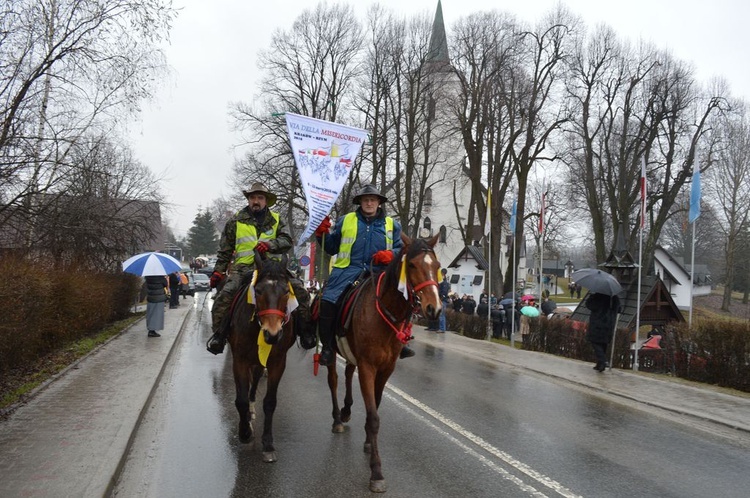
(597, 281)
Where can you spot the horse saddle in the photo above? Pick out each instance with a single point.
(344, 305)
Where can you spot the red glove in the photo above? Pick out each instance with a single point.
(262, 247)
(323, 227)
(382, 257)
(215, 279)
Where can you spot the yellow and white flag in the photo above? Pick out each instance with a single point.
(402, 279)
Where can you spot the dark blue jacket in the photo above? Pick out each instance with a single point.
(370, 239)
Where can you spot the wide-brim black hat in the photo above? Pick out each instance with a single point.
(369, 190)
(259, 188)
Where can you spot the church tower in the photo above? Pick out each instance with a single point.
(449, 193)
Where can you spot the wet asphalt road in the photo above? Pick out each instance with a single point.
(450, 426)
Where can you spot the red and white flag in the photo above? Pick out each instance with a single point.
(643, 193)
(542, 212)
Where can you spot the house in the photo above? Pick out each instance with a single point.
(466, 273)
(676, 277)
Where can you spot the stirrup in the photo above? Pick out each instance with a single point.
(327, 357)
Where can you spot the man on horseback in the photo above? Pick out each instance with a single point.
(363, 237)
(254, 227)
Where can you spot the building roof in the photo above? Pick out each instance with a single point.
(656, 305)
(474, 252)
(438, 53)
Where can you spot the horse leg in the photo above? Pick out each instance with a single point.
(241, 401)
(346, 412)
(372, 426)
(257, 374)
(275, 371)
(333, 384)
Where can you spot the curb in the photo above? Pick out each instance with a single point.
(142, 413)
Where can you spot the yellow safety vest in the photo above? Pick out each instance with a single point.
(246, 238)
(349, 235)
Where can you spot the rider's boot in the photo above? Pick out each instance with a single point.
(216, 343)
(406, 352)
(326, 324)
(303, 326)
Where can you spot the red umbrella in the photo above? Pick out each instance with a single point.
(528, 297)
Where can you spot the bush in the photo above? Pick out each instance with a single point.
(49, 309)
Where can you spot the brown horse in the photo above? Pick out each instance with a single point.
(379, 316)
(267, 317)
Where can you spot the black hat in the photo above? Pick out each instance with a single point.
(259, 188)
(369, 190)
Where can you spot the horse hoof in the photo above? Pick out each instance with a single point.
(269, 456)
(368, 449)
(337, 428)
(346, 415)
(378, 486)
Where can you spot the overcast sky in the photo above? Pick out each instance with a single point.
(185, 134)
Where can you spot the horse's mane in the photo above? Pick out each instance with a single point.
(270, 269)
(415, 247)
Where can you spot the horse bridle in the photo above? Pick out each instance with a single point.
(404, 334)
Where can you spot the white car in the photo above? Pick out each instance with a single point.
(202, 282)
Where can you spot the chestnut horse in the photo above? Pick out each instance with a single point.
(267, 320)
(378, 315)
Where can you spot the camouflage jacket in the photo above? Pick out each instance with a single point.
(281, 244)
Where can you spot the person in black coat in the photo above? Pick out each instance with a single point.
(155, 299)
(604, 310)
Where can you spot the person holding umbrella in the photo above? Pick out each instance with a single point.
(604, 310)
(154, 267)
(156, 296)
(253, 228)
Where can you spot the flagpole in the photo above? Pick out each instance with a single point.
(489, 261)
(541, 243)
(692, 278)
(640, 264)
(513, 289)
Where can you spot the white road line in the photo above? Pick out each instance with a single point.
(520, 466)
(482, 459)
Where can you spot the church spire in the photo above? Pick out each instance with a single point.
(438, 54)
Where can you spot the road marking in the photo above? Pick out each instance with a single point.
(520, 466)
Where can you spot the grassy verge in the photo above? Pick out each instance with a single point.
(18, 383)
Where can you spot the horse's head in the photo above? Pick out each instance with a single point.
(271, 296)
(422, 267)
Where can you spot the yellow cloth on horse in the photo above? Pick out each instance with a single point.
(263, 349)
(402, 279)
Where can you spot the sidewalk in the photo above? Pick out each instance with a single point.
(71, 437)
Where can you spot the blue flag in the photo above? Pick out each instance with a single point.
(513, 220)
(695, 195)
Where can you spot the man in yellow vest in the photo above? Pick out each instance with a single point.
(254, 227)
(360, 238)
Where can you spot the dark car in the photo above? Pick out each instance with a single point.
(202, 282)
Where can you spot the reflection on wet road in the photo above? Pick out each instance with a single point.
(450, 426)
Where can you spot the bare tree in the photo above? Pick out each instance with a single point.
(68, 66)
(730, 191)
(308, 70)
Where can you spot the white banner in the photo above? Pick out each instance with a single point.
(324, 153)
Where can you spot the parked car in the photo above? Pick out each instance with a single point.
(202, 282)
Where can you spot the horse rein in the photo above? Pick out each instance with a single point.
(404, 332)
